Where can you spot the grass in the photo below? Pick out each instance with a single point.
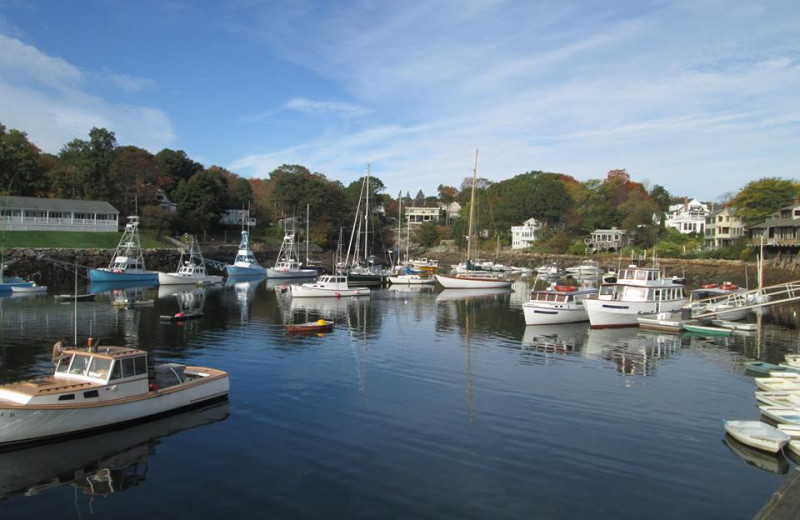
(74, 240)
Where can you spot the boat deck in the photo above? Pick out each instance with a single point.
(44, 385)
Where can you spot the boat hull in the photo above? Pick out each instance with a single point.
(452, 282)
(757, 435)
(613, 313)
(106, 275)
(176, 279)
(21, 425)
(304, 291)
(410, 280)
(546, 315)
(233, 270)
(288, 273)
(7, 287)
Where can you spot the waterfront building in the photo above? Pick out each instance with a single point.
(723, 228)
(689, 217)
(451, 210)
(522, 237)
(237, 217)
(607, 240)
(417, 215)
(39, 214)
(780, 230)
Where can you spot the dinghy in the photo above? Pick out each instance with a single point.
(757, 434)
(781, 399)
(781, 414)
(761, 367)
(311, 327)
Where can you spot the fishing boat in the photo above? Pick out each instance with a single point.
(472, 279)
(95, 388)
(706, 330)
(757, 434)
(310, 327)
(34, 288)
(127, 263)
(327, 285)
(245, 263)
(557, 304)
(191, 270)
(9, 283)
(638, 292)
(287, 265)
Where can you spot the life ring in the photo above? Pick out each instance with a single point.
(728, 286)
(565, 288)
(710, 286)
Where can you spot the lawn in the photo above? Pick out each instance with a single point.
(73, 240)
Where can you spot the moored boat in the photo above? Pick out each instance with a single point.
(757, 434)
(127, 263)
(781, 414)
(96, 388)
(473, 280)
(781, 399)
(287, 265)
(34, 288)
(326, 286)
(245, 263)
(706, 330)
(310, 327)
(558, 304)
(191, 271)
(762, 367)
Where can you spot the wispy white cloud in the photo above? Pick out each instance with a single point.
(130, 83)
(50, 99)
(308, 106)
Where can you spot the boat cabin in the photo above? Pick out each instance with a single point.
(639, 275)
(631, 293)
(124, 263)
(565, 295)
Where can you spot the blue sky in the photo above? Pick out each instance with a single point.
(698, 96)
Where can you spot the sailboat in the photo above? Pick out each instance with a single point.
(190, 271)
(127, 264)
(364, 272)
(472, 279)
(288, 265)
(245, 263)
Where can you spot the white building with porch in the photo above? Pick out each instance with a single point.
(35, 214)
(417, 215)
(689, 217)
(522, 237)
(237, 217)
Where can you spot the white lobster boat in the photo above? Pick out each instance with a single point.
(191, 271)
(558, 304)
(287, 265)
(473, 280)
(327, 286)
(638, 292)
(98, 389)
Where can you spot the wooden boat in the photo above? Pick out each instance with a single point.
(757, 434)
(708, 331)
(181, 316)
(97, 388)
(310, 327)
(782, 399)
(662, 322)
(89, 297)
(781, 414)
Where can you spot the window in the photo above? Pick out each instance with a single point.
(79, 364)
(90, 394)
(99, 368)
(116, 370)
(66, 397)
(127, 367)
(63, 364)
(140, 364)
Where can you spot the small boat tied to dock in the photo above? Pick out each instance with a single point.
(97, 388)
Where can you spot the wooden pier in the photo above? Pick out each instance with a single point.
(785, 503)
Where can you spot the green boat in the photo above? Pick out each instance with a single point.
(705, 330)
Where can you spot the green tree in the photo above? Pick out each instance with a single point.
(21, 172)
(133, 178)
(759, 199)
(201, 199)
(447, 194)
(83, 169)
(426, 234)
(661, 197)
(175, 166)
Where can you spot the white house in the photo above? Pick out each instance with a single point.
(237, 217)
(418, 215)
(523, 236)
(607, 240)
(689, 217)
(35, 214)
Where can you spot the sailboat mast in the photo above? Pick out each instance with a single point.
(472, 208)
(366, 220)
(399, 224)
(307, 261)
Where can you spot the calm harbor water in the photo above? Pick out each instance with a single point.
(420, 404)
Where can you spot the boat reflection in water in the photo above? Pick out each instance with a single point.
(245, 291)
(561, 339)
(760, 459)
(98, 464)
(632, 351)
(455, 295)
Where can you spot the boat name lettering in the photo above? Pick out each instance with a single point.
(8, 414)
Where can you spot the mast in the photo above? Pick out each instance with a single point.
(400, 224)
(472, 208)
(366, 220)
(307, 261)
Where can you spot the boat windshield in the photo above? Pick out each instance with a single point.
(63, 364)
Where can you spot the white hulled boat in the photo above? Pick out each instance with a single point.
(102, 388)
(558, 304)
(411, 278)
(245, 263)
(127, 264)
(287, 265)
(191, 271)
(638, 292)
(326, 286)
(757, 434)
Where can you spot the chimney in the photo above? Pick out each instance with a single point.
(686, 204)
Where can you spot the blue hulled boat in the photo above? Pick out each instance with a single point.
(127, 264)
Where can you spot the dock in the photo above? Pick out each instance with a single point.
(785, 503)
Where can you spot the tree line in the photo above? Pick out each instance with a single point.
(129, 177)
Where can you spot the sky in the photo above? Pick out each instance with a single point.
(698, 96)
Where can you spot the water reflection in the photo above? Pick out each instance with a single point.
(632, 351)
(454, 295)
(105, 463)
(765, 461)
(244, 288)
